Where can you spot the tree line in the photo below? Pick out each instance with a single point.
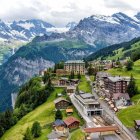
(31, 95)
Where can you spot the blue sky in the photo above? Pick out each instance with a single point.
(60, 12)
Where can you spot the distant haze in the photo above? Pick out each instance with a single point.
(60, 12)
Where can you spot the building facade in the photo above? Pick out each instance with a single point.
(72, 122)
(61, 103)
(77, 66)
(116, 84)
(88, 104)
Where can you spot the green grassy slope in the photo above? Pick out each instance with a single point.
(44, 114)
(121, 50)
(84, 85)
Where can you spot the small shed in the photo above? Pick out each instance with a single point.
(69, 111)
(137, 124)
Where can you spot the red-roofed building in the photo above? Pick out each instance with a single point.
(72, 122)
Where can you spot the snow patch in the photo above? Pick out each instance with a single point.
(26, 25)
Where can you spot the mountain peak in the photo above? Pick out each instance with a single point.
(71, 25)
(138, 15)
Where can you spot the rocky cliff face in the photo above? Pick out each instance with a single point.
(24, 69)
(16, 73)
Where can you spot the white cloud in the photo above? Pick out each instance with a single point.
(60, 12)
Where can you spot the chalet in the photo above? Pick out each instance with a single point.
(61, 103)
(137, 124)
(74, 81)
(70, 89)
(63, 81)
(58, 122)
(121, 99)
(88, 104)
(72, 122)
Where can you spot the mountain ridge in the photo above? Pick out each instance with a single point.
(90, 35)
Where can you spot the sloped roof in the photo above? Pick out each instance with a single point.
(58, 122)
(137, 122)
(71, 87)
(119, 95)
(60, 99)
(102, 74)
(70, 120)
(118, 78)
(53, 135)
(87, 95)
(69, 110)
(101, 129)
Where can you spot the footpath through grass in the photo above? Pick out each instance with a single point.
(84, 85)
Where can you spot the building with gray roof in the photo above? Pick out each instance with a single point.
(89, 104)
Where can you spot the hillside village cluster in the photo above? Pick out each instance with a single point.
(108, 95)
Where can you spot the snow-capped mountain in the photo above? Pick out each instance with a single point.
(23, 30)
(71, 25)
(100, 30)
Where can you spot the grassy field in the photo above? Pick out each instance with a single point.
(77, 135)
(91, 78)
(84, 85)
(44, 114)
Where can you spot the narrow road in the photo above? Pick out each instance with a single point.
(112, 114)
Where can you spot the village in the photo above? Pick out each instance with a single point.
(96, 107)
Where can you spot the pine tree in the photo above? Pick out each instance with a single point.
(79, 76)
(129, 65)
(8, 119)
(58, 115)
(1, 130)
(132, 88)
(71, 76)
(36, 129)
(77, 90)
(28, 135)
